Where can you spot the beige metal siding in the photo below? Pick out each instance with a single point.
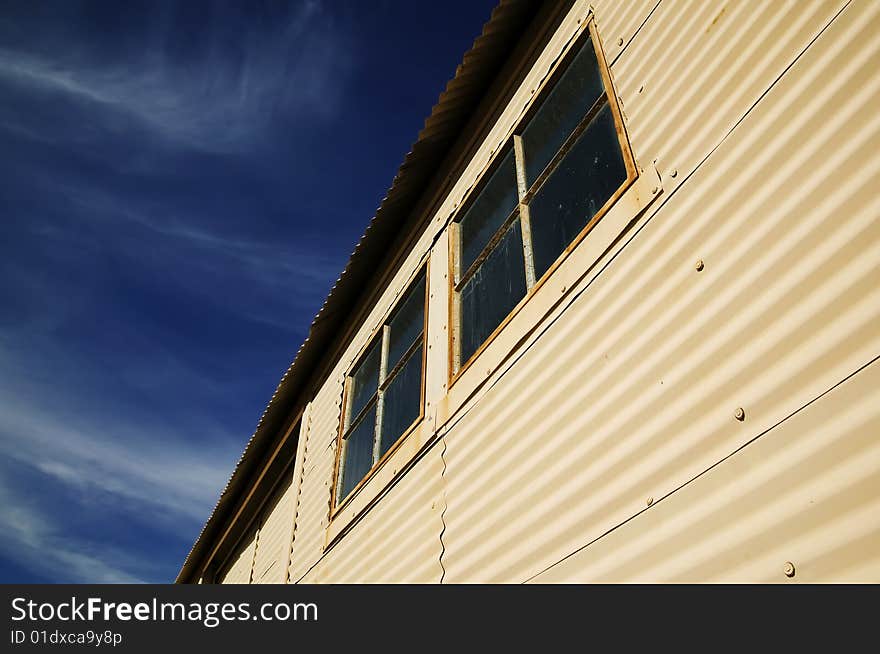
(399, 539)
(312, 514)
(273, 540)
(805, 492)
(764, 122)
(619, 21)
(695, 68)
(316, 465)
(632, 392)
(241, 563)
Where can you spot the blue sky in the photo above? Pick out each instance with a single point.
(182, 182)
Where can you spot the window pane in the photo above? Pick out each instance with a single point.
(588, 175)
(401, 400)
(487, 297)
(365, 379)
(358, 452)
(564, 107)
(494, 203)
(407, 323)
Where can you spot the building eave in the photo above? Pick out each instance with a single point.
(455, 106)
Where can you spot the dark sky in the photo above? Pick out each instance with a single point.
(180, 185)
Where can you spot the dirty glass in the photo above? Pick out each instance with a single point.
(584, 180)
(365, 379)
(358, 451)
(495, 288)
(492, 206)
(561, 111)
(402, 399)
(407, 323)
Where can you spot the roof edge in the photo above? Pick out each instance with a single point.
(456, 105)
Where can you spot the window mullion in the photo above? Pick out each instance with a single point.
(524, 221)
(520, 159)
(380, 395)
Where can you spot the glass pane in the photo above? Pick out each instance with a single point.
(487, 297)
(564, 107)
(407, 323)
(365, 379)
(494, 203)
(358, 452)
(588, 175)
(402, 399)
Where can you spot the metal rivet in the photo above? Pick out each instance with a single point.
(650, 501)
(620, 41)
(641, 88)
(655, 190)
(740, 414)
(788, 569)
(489, 371)
(673, 172)
(699, 265)
(563, 289)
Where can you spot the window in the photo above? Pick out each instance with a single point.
(383, 391)
(565, 164)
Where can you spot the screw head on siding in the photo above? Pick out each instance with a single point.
(740, 414)
(655, 190)
(641, 88)
(650, 501)
(699, 265)
(673, 172)
(620, 41)
(788, 569)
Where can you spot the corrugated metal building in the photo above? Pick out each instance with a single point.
(616, 319)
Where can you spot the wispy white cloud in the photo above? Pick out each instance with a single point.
(159, 474)
(30, 538)
(218, 100)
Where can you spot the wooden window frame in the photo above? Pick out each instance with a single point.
(457, 278)
(380, 332)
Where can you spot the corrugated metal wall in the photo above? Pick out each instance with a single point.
(273, 538)
(805, 493)
(399, 539)
(633, 390)
(262, 555)
(241, 563)
(763, 122)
